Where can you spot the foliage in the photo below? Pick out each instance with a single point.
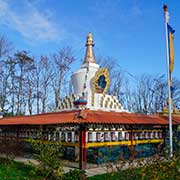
(75, 175)
(123, 175)
(12, 170)
(156, 168)
(48, 155)
(19, 171)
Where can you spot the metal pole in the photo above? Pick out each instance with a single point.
(169, 84)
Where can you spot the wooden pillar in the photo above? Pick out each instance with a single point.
(82, 150)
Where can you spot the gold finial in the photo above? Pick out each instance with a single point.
(165, 108)
(89, 57)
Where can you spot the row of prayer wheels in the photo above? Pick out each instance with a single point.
(91, 136)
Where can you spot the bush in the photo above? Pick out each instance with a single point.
(48, 156)
(156, 168)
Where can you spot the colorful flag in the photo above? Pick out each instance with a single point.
(171, 47)
(170, 63)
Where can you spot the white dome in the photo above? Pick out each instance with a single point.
(79, 78)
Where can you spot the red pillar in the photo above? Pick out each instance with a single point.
(82, 160)
(132, 155)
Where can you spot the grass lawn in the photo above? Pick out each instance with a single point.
(11, 170)
(160, 171)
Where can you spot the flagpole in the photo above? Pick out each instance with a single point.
(166, 15)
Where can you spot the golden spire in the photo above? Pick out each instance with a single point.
(89, 57)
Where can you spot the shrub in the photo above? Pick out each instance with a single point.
(48, 155)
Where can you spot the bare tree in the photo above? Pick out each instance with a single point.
(4, 76)
(37, 75)
(127, 101)
(25, 63)
(5, 49)
(30, 90)
(108, 62)
(11, 64)
(176, 92)
(117, 83)
(46, 76)
(60, 67)
(144, 94)
(160, 93)
(151, 93)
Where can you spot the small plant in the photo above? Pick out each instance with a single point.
(48, 156)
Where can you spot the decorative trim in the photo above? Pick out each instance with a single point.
(100, 72)
(127, 143)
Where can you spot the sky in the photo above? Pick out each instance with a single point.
(131, 31)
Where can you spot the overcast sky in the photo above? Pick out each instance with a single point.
(132, 31)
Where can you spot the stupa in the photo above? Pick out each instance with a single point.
(91, 84)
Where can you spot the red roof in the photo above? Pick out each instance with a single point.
(176, 119)
(87, 116)
(124, 118)
(47, 118)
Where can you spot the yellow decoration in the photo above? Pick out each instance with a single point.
(126, 143)
(95, 86)
(171, 66)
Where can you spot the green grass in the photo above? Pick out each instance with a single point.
(160, 171)
(11, 170)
